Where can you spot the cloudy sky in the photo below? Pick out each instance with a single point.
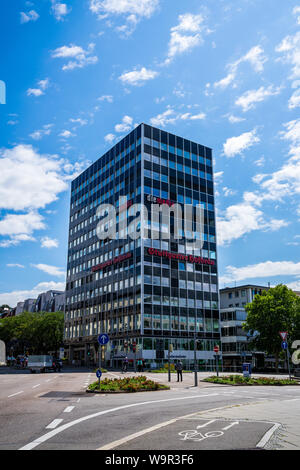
(81, 74)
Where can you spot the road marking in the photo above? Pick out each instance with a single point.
(268, 435)
(69, 409)
(206, 424)
(62, 428)
(36, 385)
(14, 394)
(230, 425)
(54, 423)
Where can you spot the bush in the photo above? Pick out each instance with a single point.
(241, 380)
(127, 384)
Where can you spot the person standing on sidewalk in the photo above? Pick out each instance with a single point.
(179, 367)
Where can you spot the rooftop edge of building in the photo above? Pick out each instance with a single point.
(127, 135)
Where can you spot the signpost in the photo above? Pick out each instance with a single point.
(285, 347)
(103, 339)
(216, 350)
(98, 374)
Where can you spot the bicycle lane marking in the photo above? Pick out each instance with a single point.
(62, 428)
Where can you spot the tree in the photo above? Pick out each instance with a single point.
(277, 309)
(39, 332)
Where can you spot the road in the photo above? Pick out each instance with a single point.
(53, 412)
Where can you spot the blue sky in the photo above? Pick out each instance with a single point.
(81, 74)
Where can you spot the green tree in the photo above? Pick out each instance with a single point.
(277, 309)
(39, 332)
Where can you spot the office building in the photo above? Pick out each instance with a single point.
(145, 292)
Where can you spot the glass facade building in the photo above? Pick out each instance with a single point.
(145, 292)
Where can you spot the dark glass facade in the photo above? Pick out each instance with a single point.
(145, 292)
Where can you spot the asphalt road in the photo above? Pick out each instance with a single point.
(53, 412)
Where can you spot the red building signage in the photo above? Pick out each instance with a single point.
(180, 257)
(110, 262)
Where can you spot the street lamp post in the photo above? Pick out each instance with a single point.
(195, 356)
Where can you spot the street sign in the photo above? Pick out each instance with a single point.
(284, 345)
(216, 349)
(98, 373)
(283, 335)
(103, 339)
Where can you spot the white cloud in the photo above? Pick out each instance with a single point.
(294, 101)
(43, 85)
(186, 35)
(39, 134)
(29, 180)
(80, 57)
(52, 270)
(47, 242)
(138, 77)
(133, 11)
(15, 225)
(266, 269)
(234, 119)
(255, 57)
(250, 98)
(236, 145)
(170, 116)
(108, 98)
(15, 265)
(31, 15)
(125, 126)
(66, 134)
(81, 122)
(241, 219)
(59, 10)
(110, 138)
(12, 298)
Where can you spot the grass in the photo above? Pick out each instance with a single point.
(241, 380)
(127, 384)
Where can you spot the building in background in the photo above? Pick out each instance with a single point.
(50, 301)
(234, 339)
(144, 293)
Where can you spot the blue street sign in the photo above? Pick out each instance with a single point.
(103, 339)
(284, 345)
(98, 373)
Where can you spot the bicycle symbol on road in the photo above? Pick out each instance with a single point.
(195, 435)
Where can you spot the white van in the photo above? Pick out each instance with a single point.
(40, 363)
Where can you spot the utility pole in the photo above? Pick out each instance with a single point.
(170, 349)
(195, 356)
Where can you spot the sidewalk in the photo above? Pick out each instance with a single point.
(286, 413)
(188, 378)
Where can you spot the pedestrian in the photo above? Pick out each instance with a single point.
(140, 365)
(125, 364)
(179, 367)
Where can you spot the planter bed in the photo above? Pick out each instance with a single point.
(126, 385)
(240, 380)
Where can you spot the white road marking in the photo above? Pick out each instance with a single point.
(62, 428)
(54, 423)
(69, 409)
(14, 394)
(230, 425)
(206, 424)
(36, 385)
(268, 435)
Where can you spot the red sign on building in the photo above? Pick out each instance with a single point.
(116, 260)
(180, 257)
